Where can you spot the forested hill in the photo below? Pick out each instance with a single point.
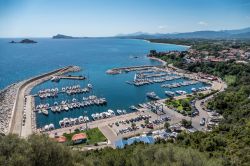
(42, 151)
(230, 140)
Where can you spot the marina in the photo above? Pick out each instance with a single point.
(95, 108)
(97, 98)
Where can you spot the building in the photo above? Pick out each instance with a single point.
(61, 139)
(145, 139)
(79, 138)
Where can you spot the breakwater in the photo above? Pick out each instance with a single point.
(7, 101)
(129, 69)
(19, 97)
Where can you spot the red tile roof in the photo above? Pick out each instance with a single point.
(61, 139)
(79, 136)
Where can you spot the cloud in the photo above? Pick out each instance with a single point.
(203, 23)
(162, 27)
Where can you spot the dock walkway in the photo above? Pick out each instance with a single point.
(130, 68)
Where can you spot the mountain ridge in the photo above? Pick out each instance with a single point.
(205, 34)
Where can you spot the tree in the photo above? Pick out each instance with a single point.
(185, 123)
(166, 125)
(133, 125)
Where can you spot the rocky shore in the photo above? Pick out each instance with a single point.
(7, 100)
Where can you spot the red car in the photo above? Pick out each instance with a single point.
(150, 126)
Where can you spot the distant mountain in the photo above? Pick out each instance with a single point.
(224, 34)
(238, 31)
(133, 34)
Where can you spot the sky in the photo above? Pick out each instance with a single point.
(97, 18)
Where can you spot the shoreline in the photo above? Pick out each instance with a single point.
(159, 60)
(148, 40)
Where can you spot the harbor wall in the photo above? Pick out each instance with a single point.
(26, 83)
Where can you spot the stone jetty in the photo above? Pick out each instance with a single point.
(13, 98)
(7, 100)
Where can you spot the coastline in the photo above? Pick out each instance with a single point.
(159, 60)
(148, 40)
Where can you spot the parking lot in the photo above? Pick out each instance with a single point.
(143, 122)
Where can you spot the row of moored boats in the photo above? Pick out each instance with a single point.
(66, 122)
(66, 105)
(140, 82)
(70, 90)
(179, 84)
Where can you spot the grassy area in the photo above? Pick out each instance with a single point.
(94, 136)
(230, 79)
(182, 105)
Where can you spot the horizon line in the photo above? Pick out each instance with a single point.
(121, 34)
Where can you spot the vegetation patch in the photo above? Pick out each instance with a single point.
(230, 79)
(94, 136)
(182, 106)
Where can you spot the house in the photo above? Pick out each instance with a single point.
(144, 139)
(61, 139)
(243, 62)
(79, 138)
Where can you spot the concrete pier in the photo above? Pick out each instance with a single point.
(130, 68)
(54, 78)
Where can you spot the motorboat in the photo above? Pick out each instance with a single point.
(193, 89)
(119, 112)
(90, 86)
(45, 112)
(170, 93)
(51, 126)
(181, 92)
(61, 123)
(152, 96)
(124, 111)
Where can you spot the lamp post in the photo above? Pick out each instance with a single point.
(85, 113)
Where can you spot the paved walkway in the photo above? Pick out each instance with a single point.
(26, 128)
(18, 113)
(109, 134)
(27, 85)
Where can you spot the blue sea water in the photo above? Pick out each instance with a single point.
(95, 56)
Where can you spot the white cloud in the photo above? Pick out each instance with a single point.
(203, 23)
(162, 27)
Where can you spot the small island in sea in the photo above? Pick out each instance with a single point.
(25, 41)
(60, 36)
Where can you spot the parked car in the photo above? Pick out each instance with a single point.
(150, 126)
(202, 121)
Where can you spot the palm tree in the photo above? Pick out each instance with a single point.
(133, 125)
(166, 125)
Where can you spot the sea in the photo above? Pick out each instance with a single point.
(94, 56)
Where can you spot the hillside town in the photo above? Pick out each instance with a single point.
(237, 53)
